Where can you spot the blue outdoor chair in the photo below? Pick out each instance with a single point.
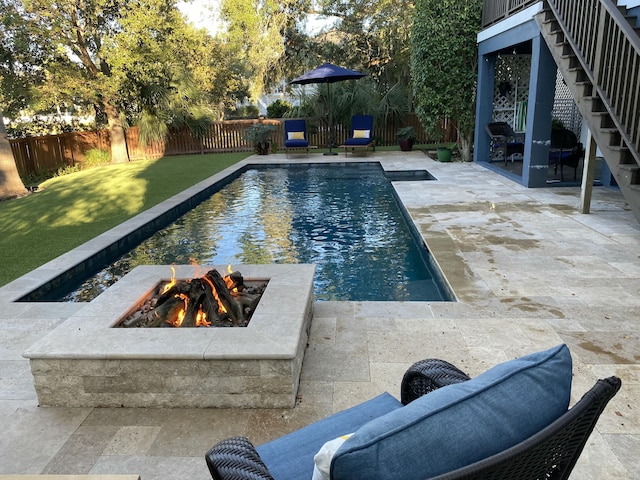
(295, 135)
(565, 150)
(504, 142)
(361, 134)
(510, 423)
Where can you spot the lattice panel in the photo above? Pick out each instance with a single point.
(511, 91)
(565, 108)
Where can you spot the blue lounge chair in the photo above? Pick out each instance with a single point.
(295, 135)
(361, 134)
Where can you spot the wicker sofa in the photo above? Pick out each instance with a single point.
(499, 425)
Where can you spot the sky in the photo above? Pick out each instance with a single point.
(203, 14)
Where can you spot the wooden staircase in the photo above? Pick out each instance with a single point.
(596, 47)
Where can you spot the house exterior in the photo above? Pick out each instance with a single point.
(575, 61)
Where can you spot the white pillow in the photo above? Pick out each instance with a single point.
(322, 459)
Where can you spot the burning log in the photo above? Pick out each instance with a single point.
(229, 305)
(206, 301)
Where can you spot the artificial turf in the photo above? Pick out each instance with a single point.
(69, 210)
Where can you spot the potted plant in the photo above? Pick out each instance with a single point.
(260, 135)
(445, 152)
(406, 138)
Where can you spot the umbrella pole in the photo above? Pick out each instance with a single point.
(330, 152)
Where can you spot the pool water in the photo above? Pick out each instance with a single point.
(344, 219)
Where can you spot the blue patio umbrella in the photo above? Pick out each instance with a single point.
(328, 73)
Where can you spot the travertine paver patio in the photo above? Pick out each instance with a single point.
(528, 270)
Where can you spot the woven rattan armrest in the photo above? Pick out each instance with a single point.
(236, 459)
(428, 375)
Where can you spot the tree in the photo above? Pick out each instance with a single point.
(257, 31)
(132, 61)
(444, 64)
(372, 35)
(10, 182)
(79, 67)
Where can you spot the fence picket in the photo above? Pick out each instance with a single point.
(36, 155)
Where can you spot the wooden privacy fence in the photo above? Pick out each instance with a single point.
(35, 155)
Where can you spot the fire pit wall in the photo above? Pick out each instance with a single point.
(85, 362)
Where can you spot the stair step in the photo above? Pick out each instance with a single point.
(631, 173)
(618, 148)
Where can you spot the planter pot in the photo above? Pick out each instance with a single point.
(406, 144)
(444, 154)
(262, 149)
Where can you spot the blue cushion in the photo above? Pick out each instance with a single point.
(460, 424)
(296, 143)
(291, 457)
(358, 141)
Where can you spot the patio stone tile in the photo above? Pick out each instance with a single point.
(158, 468)
(627, 447)
(132, 440)
(26, 428)
(266, 425)
(78, 455)
(185, 431)
(604, 347)
(348, 394)
(598, 461)
(404, 347)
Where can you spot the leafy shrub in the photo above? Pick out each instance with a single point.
(278, 109)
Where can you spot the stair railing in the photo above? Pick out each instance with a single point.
(612, 62)
(494, 11)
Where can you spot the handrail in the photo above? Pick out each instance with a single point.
(494, 11)
(612, 63)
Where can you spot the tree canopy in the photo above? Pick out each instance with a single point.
(140, 62)
(132, 62)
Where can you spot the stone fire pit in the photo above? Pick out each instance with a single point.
(85, 362)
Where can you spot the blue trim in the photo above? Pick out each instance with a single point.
(541, 95)
(542, 84)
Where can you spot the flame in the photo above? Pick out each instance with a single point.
(201, 316)
(199, 270)
(201, 319)
(180, 316)
(228, 281)
(172, 282)
(215, 295)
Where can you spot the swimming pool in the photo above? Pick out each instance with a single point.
(345, 219)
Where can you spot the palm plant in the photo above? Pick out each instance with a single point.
(352, 98)
(176, 104)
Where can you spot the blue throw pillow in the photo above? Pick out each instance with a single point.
(460, 424)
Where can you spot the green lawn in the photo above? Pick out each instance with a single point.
(70, 210)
